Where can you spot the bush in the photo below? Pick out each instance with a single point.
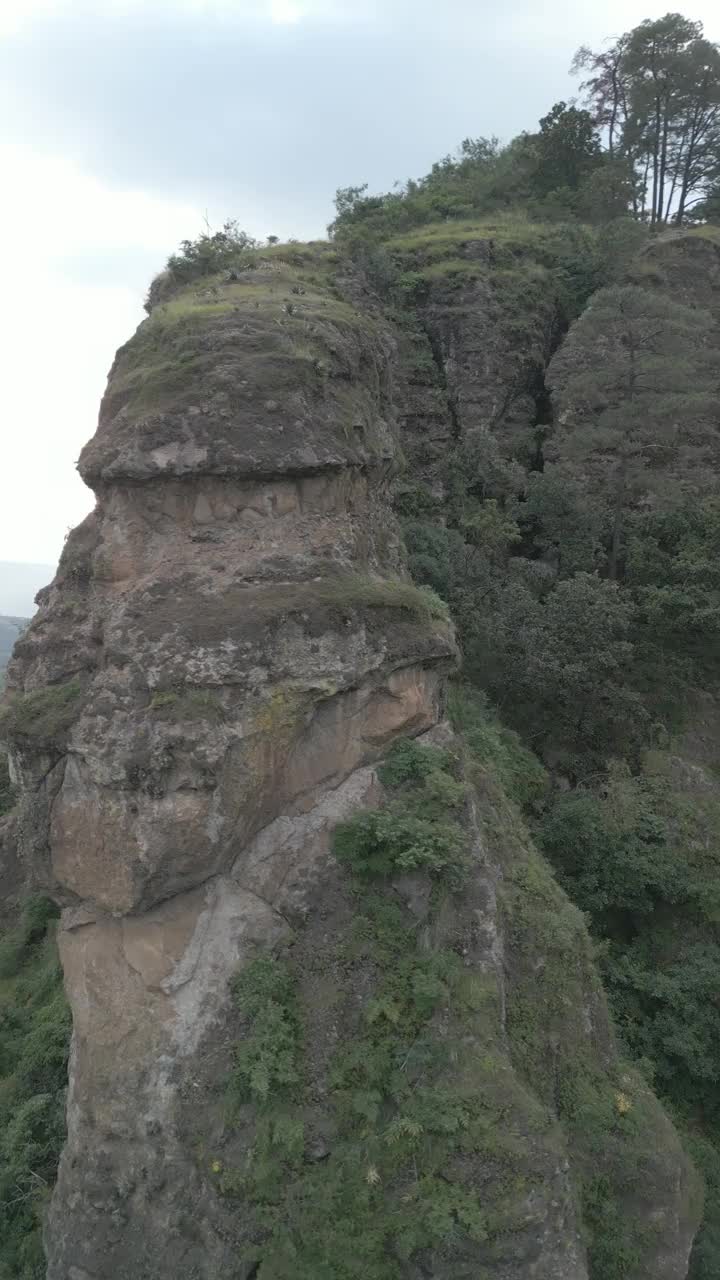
(43, 716)
(416, 830)
(518, 771)
(211, 252)
(266, 1060)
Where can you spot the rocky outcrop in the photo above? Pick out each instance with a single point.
(229, 642)
(487, 311)
(230, 645)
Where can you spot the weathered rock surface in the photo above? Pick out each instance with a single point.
(487, 318)
(230, 644)
(230, 638)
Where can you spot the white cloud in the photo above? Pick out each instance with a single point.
(77, 253)
(284, 12)
(58, 335)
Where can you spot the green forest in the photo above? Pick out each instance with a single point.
(579, 557)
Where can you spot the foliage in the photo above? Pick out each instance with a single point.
(673, 572)
(375, 844)
(622, 852)
(568, 149)
(34, 1044)
(266, 1059)
(642, 860)
(227, 250)
(380, 1195)
(519, 772)
(43, 716)
(561, 1044)
(656, 94)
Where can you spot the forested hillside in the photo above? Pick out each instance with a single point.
(538, 325)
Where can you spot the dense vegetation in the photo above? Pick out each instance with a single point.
(584, 579)
(34, 1042)
(647, 144)
(432, 1131)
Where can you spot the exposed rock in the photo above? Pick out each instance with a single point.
(230, 645)
(231, 636)
(488, 318)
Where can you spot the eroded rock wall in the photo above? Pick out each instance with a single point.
(230, 640)
(230, 645)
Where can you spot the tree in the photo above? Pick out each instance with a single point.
(634, 387)
(563, 523)
(212, 251)
(568, 149)
(656, 94)
(567, 663)
(606, 88)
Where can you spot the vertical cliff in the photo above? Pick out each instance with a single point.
(424, 1078)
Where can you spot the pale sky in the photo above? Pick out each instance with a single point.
(124, 122)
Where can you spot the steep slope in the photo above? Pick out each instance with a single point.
(423, 1076)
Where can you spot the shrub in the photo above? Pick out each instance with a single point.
(416, 831)
(377, 845)
(408, 761)
(518, 771)
(266, 1060)
(43, 716)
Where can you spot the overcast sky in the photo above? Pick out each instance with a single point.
(124, 122)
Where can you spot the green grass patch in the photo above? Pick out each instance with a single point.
(706, 232)
(293, 334)
(380, 593)
(515, 232)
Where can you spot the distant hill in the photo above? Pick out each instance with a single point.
(19, 584)
(10, 629)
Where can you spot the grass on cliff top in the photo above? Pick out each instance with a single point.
(350, 591)
(34, 1045)
(706, 232)
(274, 299)
(512, 232)
(286, 333)
(564, 260)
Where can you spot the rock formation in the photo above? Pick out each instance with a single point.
(229, 646)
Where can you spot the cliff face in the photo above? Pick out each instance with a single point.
(229, 647)
(484, 316)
